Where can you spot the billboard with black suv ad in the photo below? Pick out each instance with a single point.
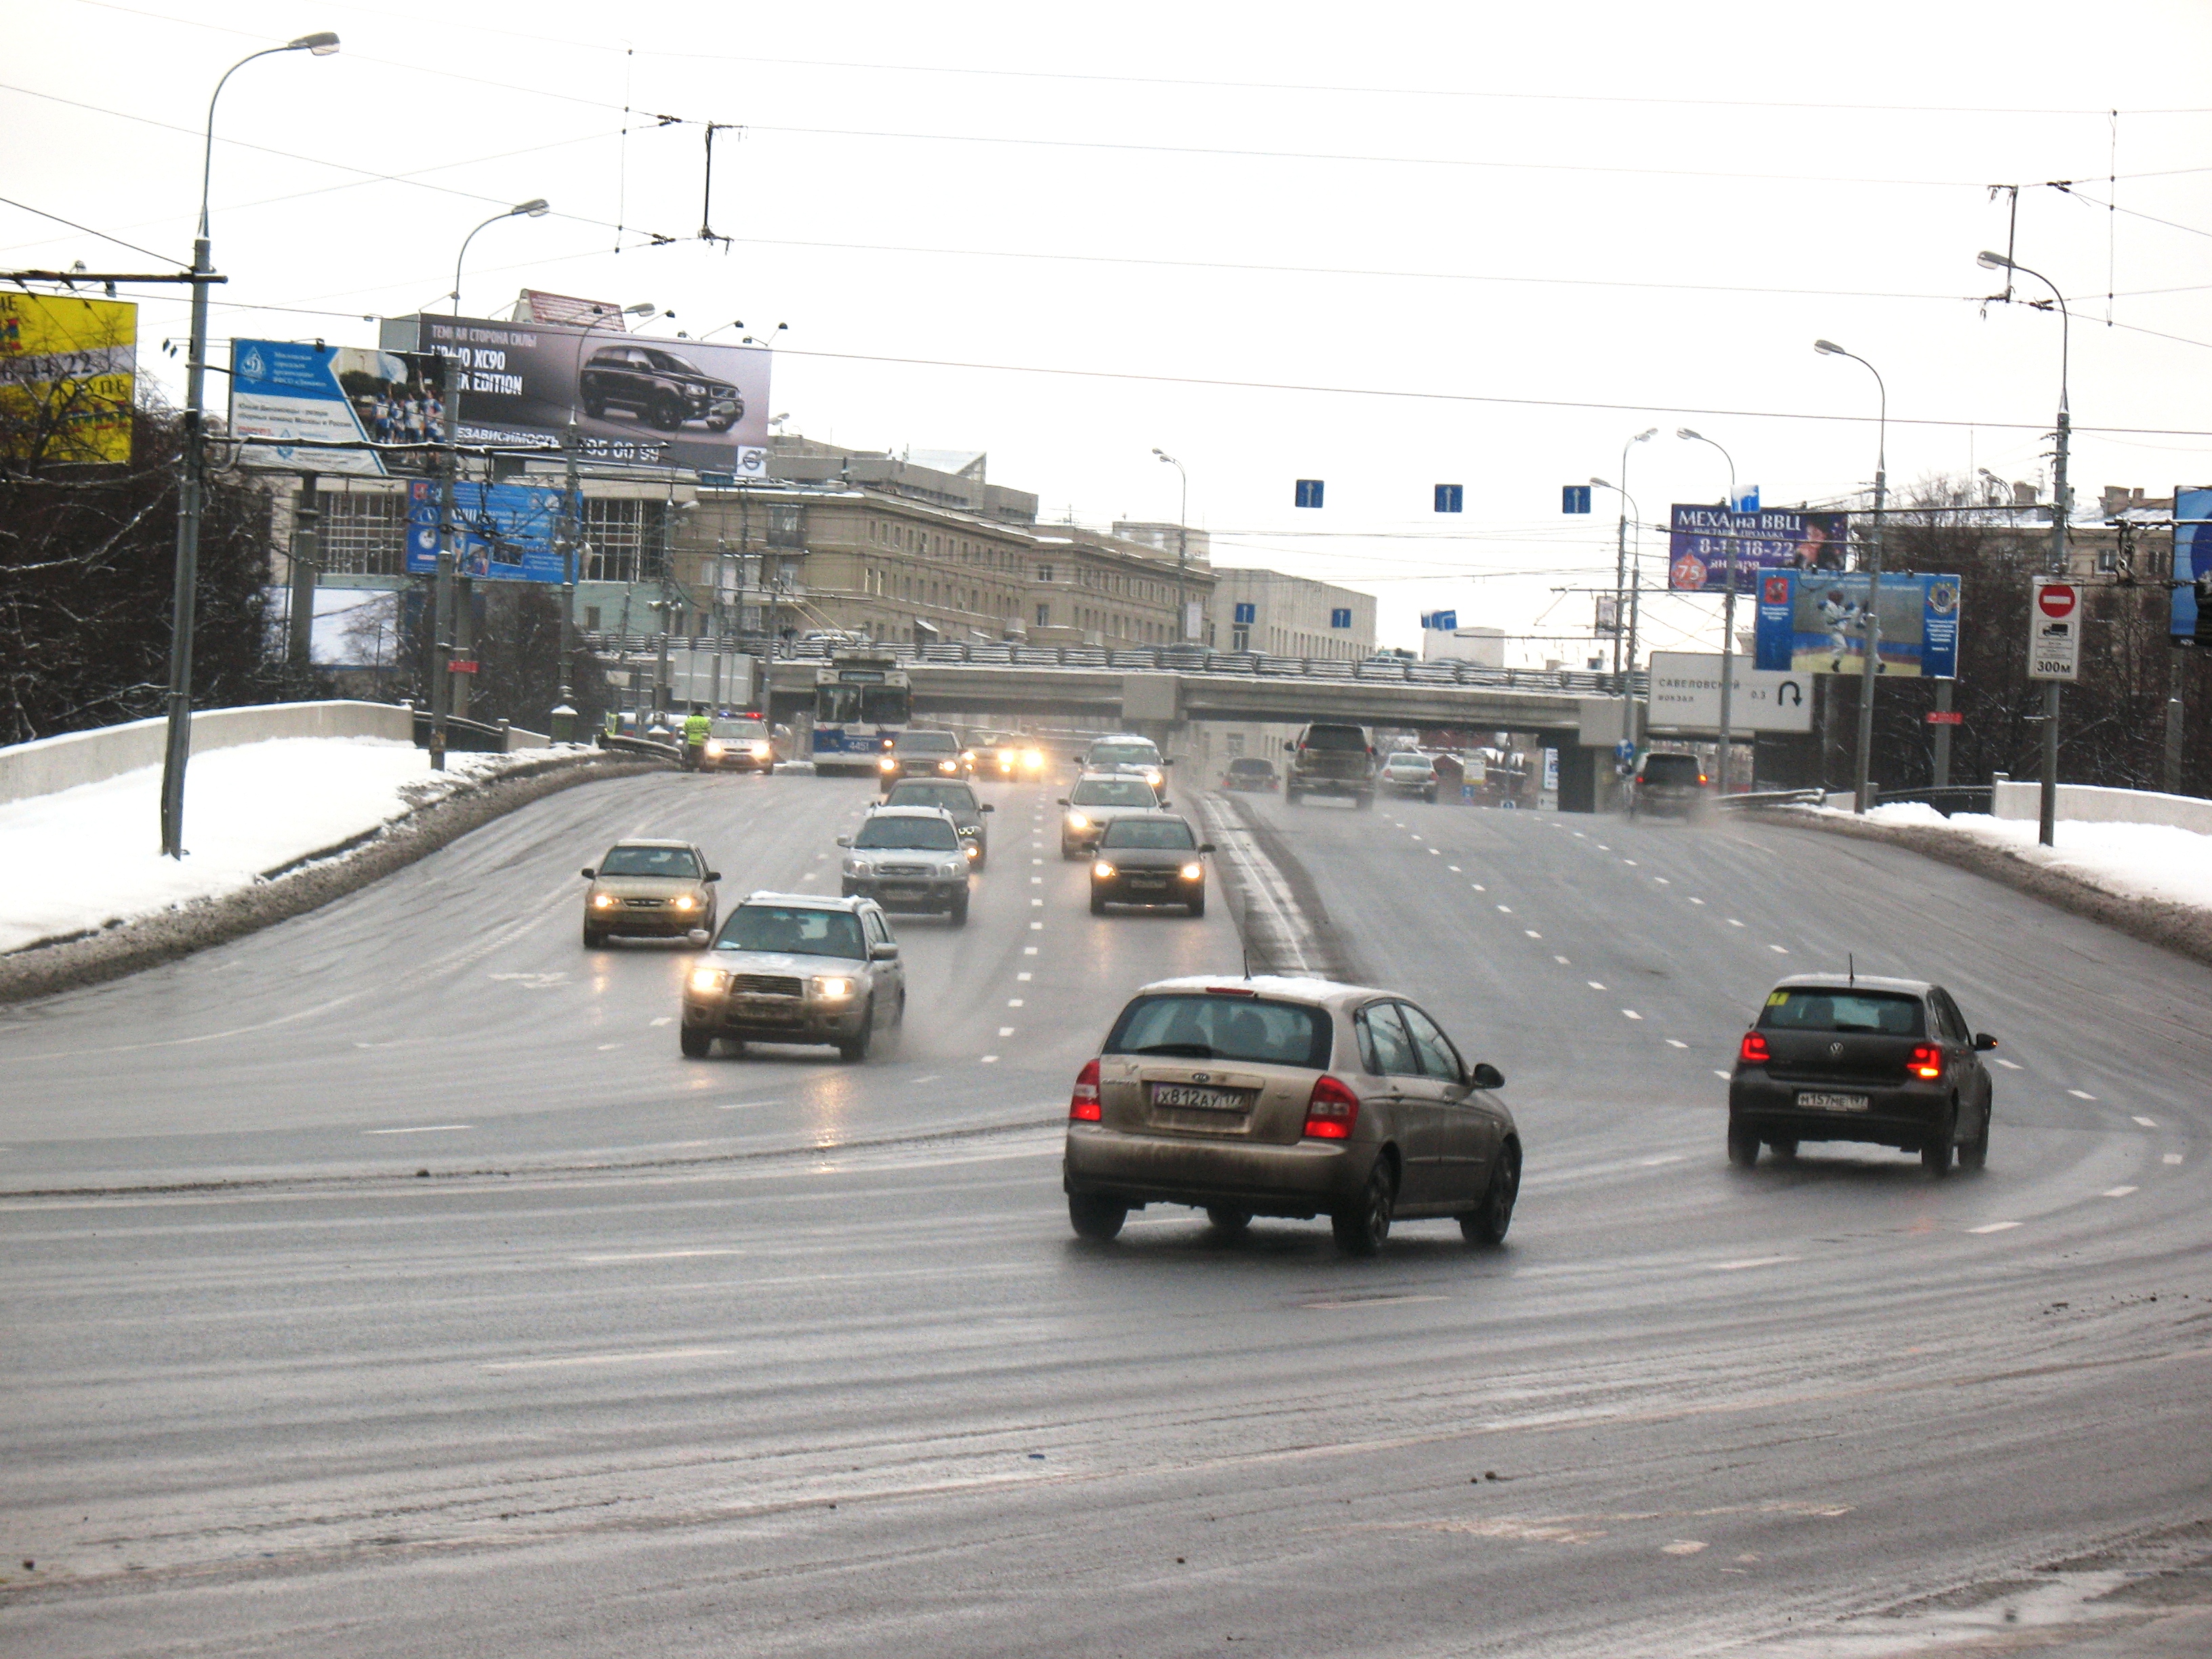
(621, 397)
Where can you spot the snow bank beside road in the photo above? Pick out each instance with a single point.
(2134, 861)
(83, 859)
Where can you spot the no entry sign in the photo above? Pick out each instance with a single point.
(2054, 632)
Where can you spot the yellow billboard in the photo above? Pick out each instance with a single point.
(68, 371)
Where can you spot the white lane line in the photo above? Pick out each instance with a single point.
(2170, 1157)
(1720, 1073)
(605, 1047)
(1654, 1162)
(1037, 881)
(1455, 869)
(1036, 860)
(1532, 933)
(1779, 949)
(421, 1129)
(1995, 1227)
(1028, 951)
(1683, 1546)
(1024, 976)
(2009, 1064)
(1478, 887)
(1632, 864)
(641, 1356)
(2116, 1192)
(1593, 985)
(1438, 851)
(2147, 1122)
(1601, 847)
(1013, 1002)
(665, 1020)
(1505, 909)
(1676, 1043)
(1580, 837)
(747, 1105)
(1005, 1030)
(1697, 901)
(1753, 1262)
(990, 1059)
(1039, 903)
(1662, 881)
(1035, 926)
(1562, 961)
(932, 1077)
(1630, 1013)
(662, 1255)
(2079, 1095)
(1732, 922)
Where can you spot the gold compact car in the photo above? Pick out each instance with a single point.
(1291, 1098)
(662, 889)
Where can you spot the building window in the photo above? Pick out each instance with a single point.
(627, 541)
(785, 527)
(1044, 615)
(591, 619)
(1044, 572)
(363, 535)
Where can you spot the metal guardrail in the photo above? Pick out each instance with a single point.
(1953, 798)
(463, 737)
(1771, 798)
(1171, 659)
(617, 744)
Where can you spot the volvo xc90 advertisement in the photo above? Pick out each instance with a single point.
(616, 397)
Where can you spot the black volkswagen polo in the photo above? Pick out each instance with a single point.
(1887, 1061)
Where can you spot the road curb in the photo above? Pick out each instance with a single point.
(297, 888)
(2181, 928)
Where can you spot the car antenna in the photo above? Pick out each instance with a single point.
(1851, 967)
(1245, 947)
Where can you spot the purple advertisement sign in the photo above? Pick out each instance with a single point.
(1703, 542)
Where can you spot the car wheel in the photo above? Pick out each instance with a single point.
(665, 415)
(1097, 905)
(1361, 1228)
(1937, 1151)
(1228, 1221)
(1975, 1154)
(958, 915)
(696, 1043)
(593, 936)
(1743, 1147)
(1364, 803)
(1487, 1225)
(1069, 852)
(855, 1048)
(1093, 1218)
(594, 408)
(1198, 905)
(1291, 798)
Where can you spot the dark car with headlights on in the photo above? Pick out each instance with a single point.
(908, 858)
(1888, 1062)
(1096, 801)
(956, 801)
(1149, 857)
(796, 968)
(1294, 1097)
(657, 889)
(923, 755)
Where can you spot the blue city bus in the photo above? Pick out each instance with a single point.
(862, 700)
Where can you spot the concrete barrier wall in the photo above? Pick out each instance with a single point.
(74, 757)
(2090, 803)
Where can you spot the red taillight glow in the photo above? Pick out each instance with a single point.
(1926, 1062)
(1331, 1111)
(1754, 1051)
(1083, 1104)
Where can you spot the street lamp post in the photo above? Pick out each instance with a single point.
(2060, 504)
(536, 208)
(1633, 597)
(1621, 549)
(1728, 620)
(1862, 796)
(185, 600)
(1182, 550)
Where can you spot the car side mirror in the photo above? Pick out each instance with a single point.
(882, 950)
(844, 841)
(1170, 761)
(697, 937)
(1487, 1076)
(1063, 800)
(1983, 1043)
(590, 874)
(714, 875)
(1205, 846)
(1165, 803)
(987, 807)
(1289, 748)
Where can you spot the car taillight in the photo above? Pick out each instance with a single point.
(1926, 1062)
(1331, 1111)
(1083, 1104)
(1754, 1051)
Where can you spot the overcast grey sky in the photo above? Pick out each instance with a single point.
(1269, 223)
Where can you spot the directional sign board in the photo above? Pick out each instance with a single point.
(2054, 632)
(1686, 696)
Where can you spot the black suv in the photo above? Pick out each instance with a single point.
(1329, 759)
(1668, 786)
(659, 387)
(1890, 1061)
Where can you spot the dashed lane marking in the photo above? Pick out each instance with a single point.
(1005, 1030)
(665, 1020)
(1676, 1043)
(2081, 1095)
(1455, 869)
(1753, 1262)
(1562, 961)
(1505, 909)
(1024, 976)
(2009, 1064)
(1720, 1073)
(1593, 985)
(1478, 887)
(1632, 864)
(1630, 1013)
(1995, 1227)
(1028, 951)
(2116, 1192)
(1779, 949)
(1732, 922)
(1013, 1002)
(1664, 1157)
(1697, 901)
(1036, 927)
(2147, 1122)
(662, 1255)
(748, 1105)
(990, 1059)
(1532, 933)
(2170, 1157)
(421, 1129)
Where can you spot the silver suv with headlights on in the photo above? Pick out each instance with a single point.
(795, 967)
(1095, 802)
(908, 858)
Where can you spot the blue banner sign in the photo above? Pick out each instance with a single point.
(1813, 621)
(509, 532)
(1574, 498)
(2192, 621)
(1703, 543)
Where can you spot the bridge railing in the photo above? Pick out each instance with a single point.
(1187, 659)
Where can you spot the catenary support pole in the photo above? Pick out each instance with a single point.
(306, 517)
(1942, 745)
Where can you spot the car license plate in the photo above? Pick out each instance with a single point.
(1148, 882)
(903, 893)
(1832, 1103)
(1187, 1096)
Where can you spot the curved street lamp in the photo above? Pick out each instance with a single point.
(536, 208)
(177, 748)
(1182, 552)
(1870, 666)
(1727, 618)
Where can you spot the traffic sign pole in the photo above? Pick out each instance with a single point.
(2054, 656)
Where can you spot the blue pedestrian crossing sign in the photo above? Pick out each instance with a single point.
(1574, 498)
(1449, 498)
(1309, 492)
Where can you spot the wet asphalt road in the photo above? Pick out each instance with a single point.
(782, 1356)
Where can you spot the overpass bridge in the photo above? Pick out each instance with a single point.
(1158, 691)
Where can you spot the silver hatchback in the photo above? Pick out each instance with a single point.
(1291, 1097)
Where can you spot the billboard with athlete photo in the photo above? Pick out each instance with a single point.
(620, 398)
(284, 391)
(2191, 622)
(1703, 541)
(1813, 621)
